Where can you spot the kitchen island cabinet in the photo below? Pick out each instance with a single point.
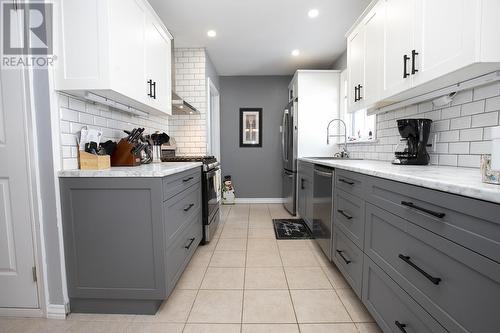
(128, 238)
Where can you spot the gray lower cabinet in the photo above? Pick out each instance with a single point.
(421, 260)
(125, 247)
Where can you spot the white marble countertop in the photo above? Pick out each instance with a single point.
(462, 181)
(146, 170)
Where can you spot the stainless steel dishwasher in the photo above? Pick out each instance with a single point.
(323, 208)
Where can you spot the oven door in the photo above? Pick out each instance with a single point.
(213, 196)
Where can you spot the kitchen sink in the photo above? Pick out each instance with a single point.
(334, 158)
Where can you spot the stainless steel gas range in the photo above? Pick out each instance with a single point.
(211, 191)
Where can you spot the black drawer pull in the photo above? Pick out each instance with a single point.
(342, 256)
(431, 278)
(414, 54)
(412, 205)
(191, 240)
(187, 179)
(400, 326)
(405, 70)
(188, 207)
(346, 181)
(347, 216)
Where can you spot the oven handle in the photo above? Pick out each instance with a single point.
(211, 173)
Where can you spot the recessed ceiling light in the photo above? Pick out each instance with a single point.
(211, 33)
(296, 53)
(313, 13)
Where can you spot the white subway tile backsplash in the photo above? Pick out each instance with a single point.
(485, 119)
(472, 108)
(463, 128)
(460, 123)
(76, 104)
(458, 148)
(69, 115)
(474, 134)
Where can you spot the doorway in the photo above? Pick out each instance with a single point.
(213, 120)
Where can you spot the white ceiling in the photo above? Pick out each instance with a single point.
(256, 37)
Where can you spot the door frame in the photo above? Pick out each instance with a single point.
(34, 204)
(213, 119)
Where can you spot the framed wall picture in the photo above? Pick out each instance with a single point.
(250, 127)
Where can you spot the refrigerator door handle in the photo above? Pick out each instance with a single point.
(283, 133)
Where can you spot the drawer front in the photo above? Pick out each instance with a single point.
(458, 287)
(349, 259)
(391, 306)
(182, 249)
(173, 185)
(472, 223)
(178, 211)
(350, 216)
(350, 182)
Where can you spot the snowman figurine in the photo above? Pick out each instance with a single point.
(228, 191)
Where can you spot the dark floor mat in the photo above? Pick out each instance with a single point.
(291, 229)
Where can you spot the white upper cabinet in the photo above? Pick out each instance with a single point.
(373, 54)
(118, 49)
(443, 37)
(426, 45)
(356, 60)
(397, 41)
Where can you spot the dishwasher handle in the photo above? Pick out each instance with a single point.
(323, 173)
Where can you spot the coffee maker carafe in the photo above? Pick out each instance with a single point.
(412, 149)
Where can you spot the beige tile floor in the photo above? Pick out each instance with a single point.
(245, 281)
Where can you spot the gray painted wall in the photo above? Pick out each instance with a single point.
(47, 185)
(256, 172)
(341, 62)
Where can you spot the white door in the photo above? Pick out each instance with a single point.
(356, 68)
(398, 44)
(158, 65)
(127, 20)
(444, 37)
(374, 53)
(18, 289)
(214, 121)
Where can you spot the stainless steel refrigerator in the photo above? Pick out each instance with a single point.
(289, 156)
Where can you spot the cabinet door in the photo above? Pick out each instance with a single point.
(157, 88)
(374, 54)
(126, 22)
(356, 67)
(398, 43)
(444, 37)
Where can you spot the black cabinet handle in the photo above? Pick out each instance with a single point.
(355, 94)
(341, 254)
(191, 240)
(359, 92)
(414, 54)
(150, 84)
(154, 90)
(405, 70)
(346, 181)
(187, 179)
(188, 207)
(431, 278)
(347, 216)
(302, 183)
(430, 212)
(400, 326)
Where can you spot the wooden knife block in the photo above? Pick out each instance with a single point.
(123, 155)
(93, 162)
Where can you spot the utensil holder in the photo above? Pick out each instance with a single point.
(123, 156)
(89, 161)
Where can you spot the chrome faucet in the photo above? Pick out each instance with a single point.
(344, 153)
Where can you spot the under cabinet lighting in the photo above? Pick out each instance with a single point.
(106, 101)
(313, 13)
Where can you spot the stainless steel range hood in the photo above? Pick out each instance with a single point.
(179, 105)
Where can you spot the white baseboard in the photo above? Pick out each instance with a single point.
(15, 312)
(56, 311)
(259, 200)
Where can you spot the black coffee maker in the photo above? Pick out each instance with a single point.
(412, 149)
